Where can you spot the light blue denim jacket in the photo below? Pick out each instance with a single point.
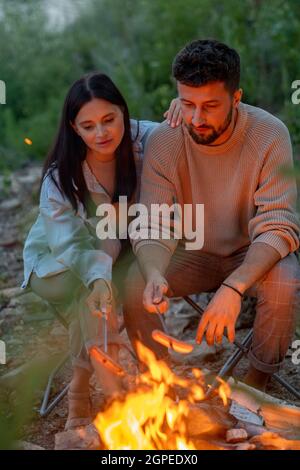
(60, 240)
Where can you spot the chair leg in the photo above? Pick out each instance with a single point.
(286, 385)
(232, 361)
(47, 407)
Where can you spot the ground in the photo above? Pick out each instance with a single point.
(35, 340)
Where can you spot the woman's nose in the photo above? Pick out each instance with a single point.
(100, 131)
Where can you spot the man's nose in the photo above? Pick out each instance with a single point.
(197, 119)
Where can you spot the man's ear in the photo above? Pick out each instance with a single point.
(237, 96)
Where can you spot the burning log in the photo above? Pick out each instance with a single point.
(273, 441)
(235, 436)
(251, 429)
(209, 420)
(245, 446)
(282, 419)
(208, 444)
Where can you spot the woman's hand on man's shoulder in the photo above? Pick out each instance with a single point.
(173, 115)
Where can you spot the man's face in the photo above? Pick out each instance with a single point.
(207, 111)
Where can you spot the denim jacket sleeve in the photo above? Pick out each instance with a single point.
(69, 238)
(140, 131)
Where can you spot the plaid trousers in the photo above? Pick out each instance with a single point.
(192, 272)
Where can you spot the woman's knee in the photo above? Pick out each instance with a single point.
(55, 289)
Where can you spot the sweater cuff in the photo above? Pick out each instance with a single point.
(276, 241)
(167, 246)
(101, 270)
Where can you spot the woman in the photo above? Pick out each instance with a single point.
(96, 157)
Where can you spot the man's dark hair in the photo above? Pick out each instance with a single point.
(206, 61)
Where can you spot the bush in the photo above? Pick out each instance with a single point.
(135, 42)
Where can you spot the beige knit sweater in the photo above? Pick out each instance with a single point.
(246, 196)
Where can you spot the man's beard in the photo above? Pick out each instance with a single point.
(207, 139)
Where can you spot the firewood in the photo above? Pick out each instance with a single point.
(236, 435)
(282, 419)
(207, 419)
(245, 446)
(272, 441)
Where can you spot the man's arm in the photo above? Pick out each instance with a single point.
(276, 223)
(153, 261)
(154, 253)
(259, 259)
(273, 231)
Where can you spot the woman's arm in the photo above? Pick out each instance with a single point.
(69, 240)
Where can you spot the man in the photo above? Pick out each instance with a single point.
(228, 156)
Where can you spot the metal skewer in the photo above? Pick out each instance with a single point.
(102, 355)
(104, 324)
(172, 343)
(162, 320)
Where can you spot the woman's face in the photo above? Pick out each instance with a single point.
(100, 124)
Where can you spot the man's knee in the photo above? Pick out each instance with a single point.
(282, 283)
(285, 271)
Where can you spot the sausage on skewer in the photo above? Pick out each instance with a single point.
(170, 342)
(106, 361)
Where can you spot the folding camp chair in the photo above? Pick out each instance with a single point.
(47, 407)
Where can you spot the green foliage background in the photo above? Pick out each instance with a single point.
(135, 41)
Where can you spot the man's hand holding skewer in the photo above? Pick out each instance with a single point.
(155, 299)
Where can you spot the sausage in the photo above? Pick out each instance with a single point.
(170, 342)
(106, 361)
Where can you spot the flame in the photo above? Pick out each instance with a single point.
(27, 141)
(224, 391)
(152, 416)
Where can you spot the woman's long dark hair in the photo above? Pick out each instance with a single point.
(69, 150)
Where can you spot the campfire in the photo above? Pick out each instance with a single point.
(166, 411)
(155, 415)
